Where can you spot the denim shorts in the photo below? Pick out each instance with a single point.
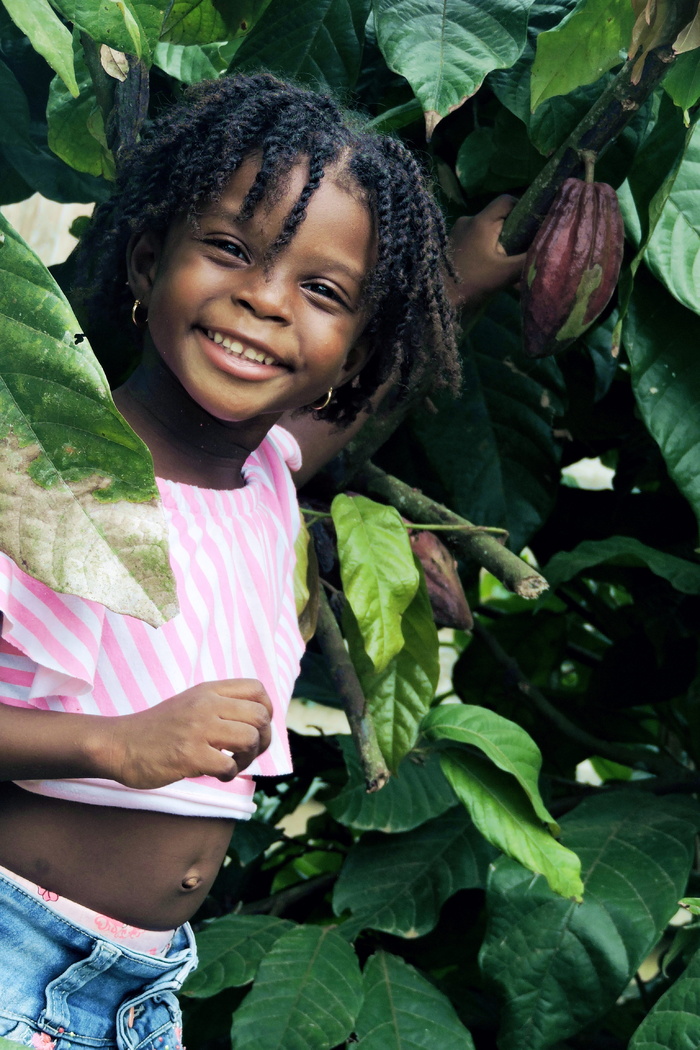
(62, 986)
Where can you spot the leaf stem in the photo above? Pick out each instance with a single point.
(353, 699)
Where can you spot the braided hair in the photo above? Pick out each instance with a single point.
(189, 154)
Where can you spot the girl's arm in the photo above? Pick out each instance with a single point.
(482, 268)
(184, 736)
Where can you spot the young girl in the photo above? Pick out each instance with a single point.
(272, 257)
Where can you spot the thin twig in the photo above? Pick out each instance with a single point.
(353, 699)
(481, 547)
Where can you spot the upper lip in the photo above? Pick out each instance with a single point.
(246, 340)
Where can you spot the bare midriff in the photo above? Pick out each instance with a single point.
(146, 869)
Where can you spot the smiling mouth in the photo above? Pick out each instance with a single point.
(237, 349)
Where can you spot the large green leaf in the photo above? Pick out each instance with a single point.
(418, 792)
(188, 63)
(494, 453)
(306, 995)
(76, 130)
(403, 1011)
(78, 501)
(49, 36)
(581, 48)
(445, 48)
(505, 817)
(378, 572)
(673, 1023)
(323, 41)
(682, 82)
(230, 950)
(504, 742)
(398, 883)
(112, 22)
(399, 696)
(673, 252)
(561, 965)
(623, 550)
(661, 340)
(203, 21)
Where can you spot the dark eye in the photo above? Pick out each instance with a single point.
(231, 248)
(326, 291)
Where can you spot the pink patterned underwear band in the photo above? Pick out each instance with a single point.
(150, 942)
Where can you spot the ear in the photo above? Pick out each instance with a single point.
(356, 359)
(142, 258)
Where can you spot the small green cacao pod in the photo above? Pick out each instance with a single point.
(571, 267)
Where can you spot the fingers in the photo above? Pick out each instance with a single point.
(244, 689)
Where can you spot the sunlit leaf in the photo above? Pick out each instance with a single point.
(230, 950)
(306, 995)
(445, 48)
(504, 742)
(505, 817)
(377, 567)
(398, 883)
(78, 499)
(38, 20)
(584, 45)
(203, 21)
(399, 696)
(112, 22)
(404, 1011)
(559, 965)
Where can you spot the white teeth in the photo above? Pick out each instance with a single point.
(232, 346)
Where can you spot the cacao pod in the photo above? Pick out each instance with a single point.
(571, 267)
(447, 598)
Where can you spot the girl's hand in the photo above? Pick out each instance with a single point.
(188, 735)
(478, 257)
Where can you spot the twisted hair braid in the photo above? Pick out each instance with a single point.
(189, 154)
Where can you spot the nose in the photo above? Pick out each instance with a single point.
(264, 294)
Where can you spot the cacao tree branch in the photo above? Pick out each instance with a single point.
(604, 121)
(353, 699)
(623, 754)
(481, 547)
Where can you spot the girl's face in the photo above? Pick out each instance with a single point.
(246, 339)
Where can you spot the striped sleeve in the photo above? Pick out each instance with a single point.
(60, 633)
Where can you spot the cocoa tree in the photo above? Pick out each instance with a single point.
(484, 893)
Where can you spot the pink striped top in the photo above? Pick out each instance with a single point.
(232, 554)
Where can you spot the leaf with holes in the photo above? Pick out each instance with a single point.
(559, 965)
(403, 1011)
(398, 883)
(306, 995)
(79, 507)
(203, 21)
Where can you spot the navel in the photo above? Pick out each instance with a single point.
(191, 882)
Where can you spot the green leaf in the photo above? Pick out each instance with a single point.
(306, 995)
(623, 550)
(673, 252)
(445, 48)
(48, 35)
(399, 696)
(505, 817)
(112, 22)
(14, 117)
(323, 41)
(504, 742)
(673, 1023)
(661, 340)
(398, 883)
(403, 1011)
(230, 950)
(188, 63)
(78, 501)
(507, 471)
(558, 965)
(203, 21)
(418, 792)
(682, 82)
(75, 126)
(586, 44)
(378, 572)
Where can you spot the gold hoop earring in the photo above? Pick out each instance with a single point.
(325, 403)
(143, 323)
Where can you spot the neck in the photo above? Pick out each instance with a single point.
(186, 443)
